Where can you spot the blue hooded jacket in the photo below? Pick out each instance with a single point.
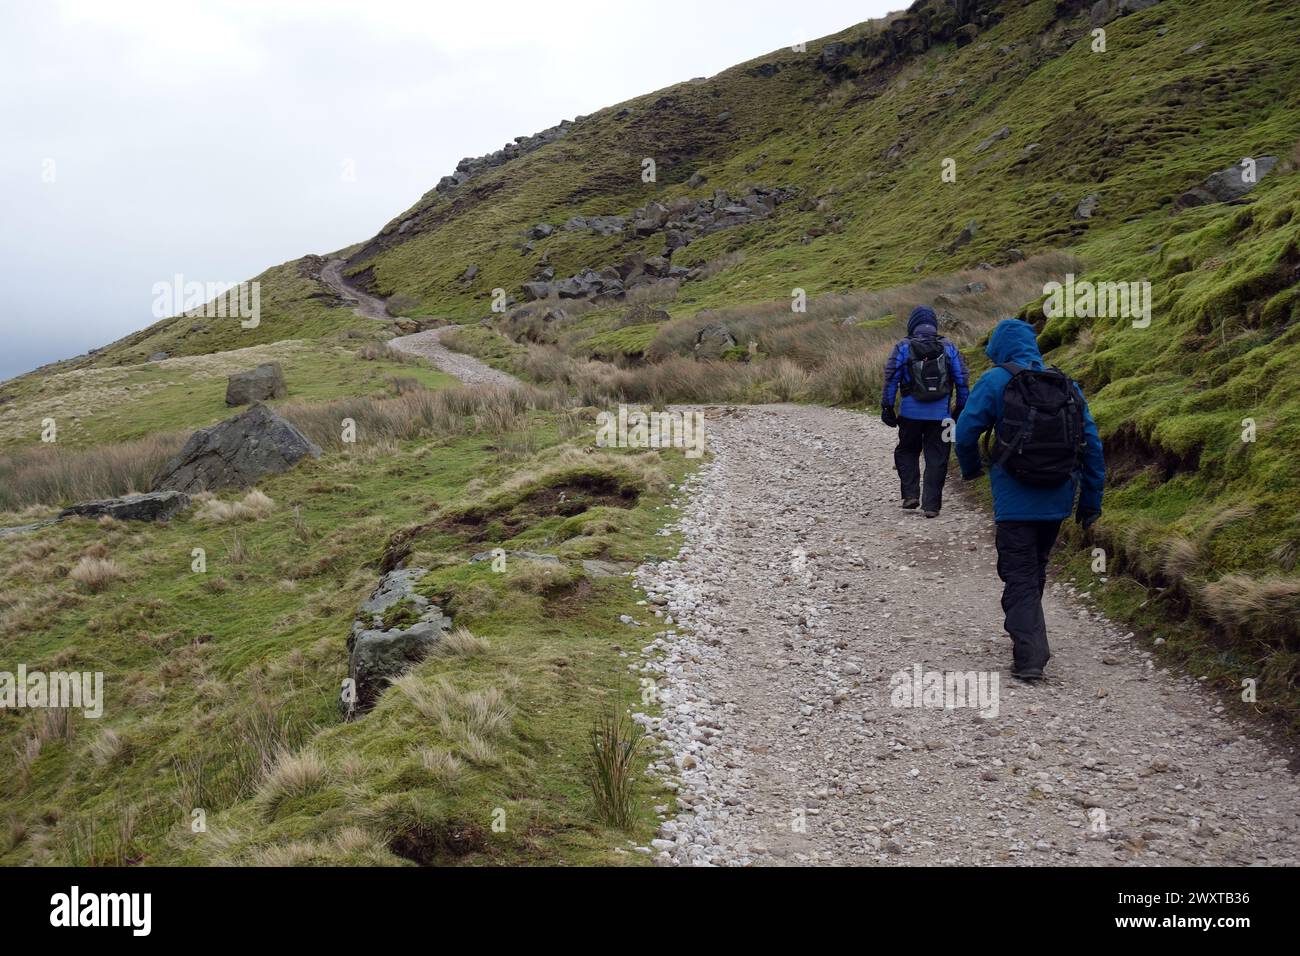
(897, 372)
(1014, 341)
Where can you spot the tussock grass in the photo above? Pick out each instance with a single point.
(97, 574)
(613, 766)
(292, 775)
(421, 413)
(51, 475)
(462, 643)
(543, 577)
(252, 506)
(445, 768)
(85, 841)
(110, 747)
(1269, 604)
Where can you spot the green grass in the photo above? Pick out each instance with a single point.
(93, 406)
(210, 676)
(202, 669)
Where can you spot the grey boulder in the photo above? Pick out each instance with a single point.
(256, 385)
(154, 506)
(1227, 184)
(236, 452)
(379, 654)
(713, 340)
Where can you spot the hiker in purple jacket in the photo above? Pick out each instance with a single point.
(926, 368)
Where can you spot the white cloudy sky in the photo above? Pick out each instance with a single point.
(208, 137)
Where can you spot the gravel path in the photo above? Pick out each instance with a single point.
(802, 588)
(464, 367)
(427, 345)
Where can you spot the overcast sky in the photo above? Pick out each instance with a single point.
(144, 138)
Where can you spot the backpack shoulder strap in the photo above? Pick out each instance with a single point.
(1011, 367)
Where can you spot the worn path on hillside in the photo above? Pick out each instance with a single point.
(427, 345)
(464, 367)
(363, 303)
(804, 588)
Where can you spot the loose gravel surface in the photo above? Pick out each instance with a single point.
(464, 367)
(800, 593)
(427, 345)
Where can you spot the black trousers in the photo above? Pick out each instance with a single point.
(917, 436)
(1023, 548)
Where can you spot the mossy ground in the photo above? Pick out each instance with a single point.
(202, 669)
(205, 670)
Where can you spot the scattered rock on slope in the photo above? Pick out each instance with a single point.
(713, 340)
(236, 452)
(155, 506)
(1227, 184)
(394, 630)
(256, 385)
(989, 140)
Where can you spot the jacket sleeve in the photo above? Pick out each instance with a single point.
(959, 376)
(893, 374)
(977, 417)
(1093, 473)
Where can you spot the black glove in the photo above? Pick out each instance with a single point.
(1087, 518)
(975, 475)
(887, 416)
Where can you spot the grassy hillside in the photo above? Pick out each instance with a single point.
(223, 684)
(1037, 121)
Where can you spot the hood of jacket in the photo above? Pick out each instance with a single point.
(1014, 341)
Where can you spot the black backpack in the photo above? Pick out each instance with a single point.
(1039, 439)
(927, 360)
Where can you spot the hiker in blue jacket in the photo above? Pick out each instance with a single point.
(926, 368)
(1028, 512)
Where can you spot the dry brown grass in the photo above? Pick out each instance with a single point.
(461, 643)
(252, 506)
(442, 765)
(451, 411)
(292, 775)
(96, 574)
(833, 354)
(49, 475)
(1263, 605)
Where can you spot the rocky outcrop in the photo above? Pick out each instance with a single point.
(1103, 11)
(395, 628)
(683, 221)
(1227, 184)
(155, 506)
(470, 167)
(256, 385)
(600, 225)
(1087, 206)
(236, 452)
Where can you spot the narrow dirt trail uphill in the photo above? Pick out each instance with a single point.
(365, 304)
(426, 345)
(803, 589)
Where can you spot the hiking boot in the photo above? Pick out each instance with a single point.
(931, 514)
(1029, 675)
(911, 504)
